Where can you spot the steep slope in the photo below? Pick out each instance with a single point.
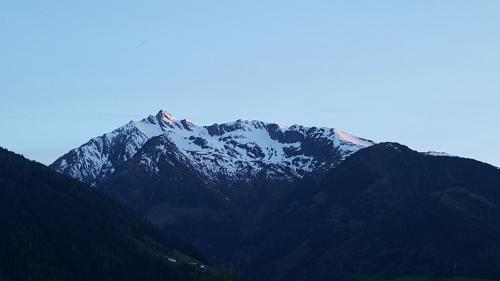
(231, 151)
(55, 228)
(175, 197)
(385, 212)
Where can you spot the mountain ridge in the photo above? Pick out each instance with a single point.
(219, 151)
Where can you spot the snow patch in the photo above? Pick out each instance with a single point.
(239, 149)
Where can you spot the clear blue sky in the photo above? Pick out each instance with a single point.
(423, 73)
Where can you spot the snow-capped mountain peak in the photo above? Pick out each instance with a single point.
(166, 116)
(238, 150)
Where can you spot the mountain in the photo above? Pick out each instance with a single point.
(56, 228)
(298, 203)
(385, 212)
(208, 185)
(238, 150)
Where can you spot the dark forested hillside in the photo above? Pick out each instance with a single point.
(175, 197)
(55, 228)
(386, 212)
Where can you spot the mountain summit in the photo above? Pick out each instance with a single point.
(238, 150)
(165, 115)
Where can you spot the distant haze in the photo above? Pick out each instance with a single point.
(422, 73)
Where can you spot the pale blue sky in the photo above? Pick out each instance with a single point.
(423, 73)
